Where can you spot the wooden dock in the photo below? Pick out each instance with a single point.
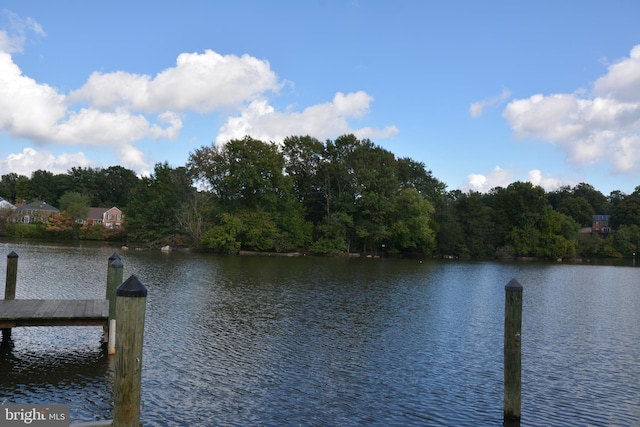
(58, 312)
(130, 310)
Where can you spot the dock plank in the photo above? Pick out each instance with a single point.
(15, 313)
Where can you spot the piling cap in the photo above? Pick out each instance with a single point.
(117, 264)
(114, 256)
(13, 254)
(132, 287)
(513, 286)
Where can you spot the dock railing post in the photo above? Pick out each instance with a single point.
(130, 314)
(10, 286)
(512, 352)
(114, 279)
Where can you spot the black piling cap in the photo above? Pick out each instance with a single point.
(131, 288)
(13, 254)
(114, 256)
(117, 264)
(513, 286)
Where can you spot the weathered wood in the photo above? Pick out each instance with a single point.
(130, 309)
(10, 287)
(26, 312)
(12, 276)
(114, 279)
(512, 351)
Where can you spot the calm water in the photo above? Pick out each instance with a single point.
(270, 341)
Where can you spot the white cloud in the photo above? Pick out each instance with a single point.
(260, 120)
(548, 182)
(601, 127)
(22, 99)
(13, 41)
(119, 110)
(199, 82)
(622, 81)
(499, 177)
(477, 108)
(37, 112)
(30, 160)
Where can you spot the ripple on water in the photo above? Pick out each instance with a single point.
(231, 341)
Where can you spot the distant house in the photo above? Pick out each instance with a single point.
(4, 205)
(35, 212)
(108, 217)
(600, 224)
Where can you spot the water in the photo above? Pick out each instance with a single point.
(270, 341)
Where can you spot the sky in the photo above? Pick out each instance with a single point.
(484, 93)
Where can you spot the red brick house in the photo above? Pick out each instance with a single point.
(37, 211)
(108, 217)
(600, 224)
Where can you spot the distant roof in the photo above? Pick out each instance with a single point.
(5, 205)
(39, 205)
(96, 213)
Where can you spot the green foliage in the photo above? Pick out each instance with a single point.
(18, 229)
(627, 212)
(626, 240)
(155, 204)
(332, 234)
(223, 237)
(411, 231)
(75, 204)
(9, 184)
(330, 197)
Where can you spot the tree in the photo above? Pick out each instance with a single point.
(303, 160)
(223, 237)
(155, 203)
(376, 187)
(85, 182)
(113, 186)
(476, 223)
(48, 187)
(8, 186)
(626, 240)
(596, 199)
(23, 190)
(75, 204)
(246, 178)
(412, 174)
(578, 208)
(62, 225)
(194, 215)
(246, 173)
(627, 212)
(521, 205)
(410, 230)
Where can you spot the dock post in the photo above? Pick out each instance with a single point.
(114, 278)
(10, 286)
(130, 314)
(512, 352)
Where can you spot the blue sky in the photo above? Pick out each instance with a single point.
(484, 93)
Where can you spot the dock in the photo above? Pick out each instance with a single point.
(123, 324)
(58, 312)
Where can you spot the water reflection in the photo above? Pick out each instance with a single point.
(239, 341)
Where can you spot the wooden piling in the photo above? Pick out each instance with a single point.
(10, 286)
(114, 279)
(512, 351)
(130, 314)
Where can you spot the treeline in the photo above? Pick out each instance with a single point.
(335, 197)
